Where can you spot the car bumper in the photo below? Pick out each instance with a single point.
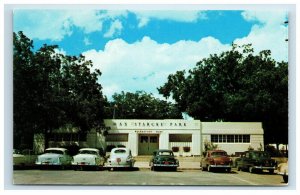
(220, 166)
(165, 165)
(117, 165)
(264, 168)
(48, 164)
(281, 173)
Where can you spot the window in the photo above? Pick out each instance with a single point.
(230, 138)
(214, 138)
(180, 137)
(246, 138)
(153, 139)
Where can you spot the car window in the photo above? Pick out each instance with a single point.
(165, 153)
(54, 151)
(216, 154)
(260, 154)
(88, 152)
(120, 151)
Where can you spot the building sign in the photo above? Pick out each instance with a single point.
(148, 132)
(151, 124)
(138, 124)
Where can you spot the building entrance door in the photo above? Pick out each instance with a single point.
(148, 144)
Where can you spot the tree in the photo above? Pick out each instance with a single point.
(52, 90)
(235, 85)
(140, 105)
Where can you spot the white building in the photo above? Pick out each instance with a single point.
(189, 136)
(185, 137)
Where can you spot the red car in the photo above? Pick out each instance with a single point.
(216, 159)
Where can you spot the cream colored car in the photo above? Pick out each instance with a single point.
(120, 158)
(88, 158)
(283, 169)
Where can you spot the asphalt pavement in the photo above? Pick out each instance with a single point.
(185, 163)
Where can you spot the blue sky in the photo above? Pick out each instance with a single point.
(138, 49)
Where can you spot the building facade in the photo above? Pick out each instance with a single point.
(184, 137)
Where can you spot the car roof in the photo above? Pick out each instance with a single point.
(93, 149)
(163, 150)
(216, 151)
(127, 149)
(62, 149)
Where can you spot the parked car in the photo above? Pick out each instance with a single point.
(256, 161)
(216, 159)
(19, 160)
(88, 158)
(283, 169)
(54, 157)
(120, 158)
(163, 159)
(23, 159)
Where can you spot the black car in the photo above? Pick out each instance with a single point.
(163, 159)
(255, 161)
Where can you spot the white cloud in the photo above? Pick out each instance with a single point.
(115, 29)
(55, 24)
(144, 16)
(146, 64)
(270, 34)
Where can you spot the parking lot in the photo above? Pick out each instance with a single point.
(144, 177)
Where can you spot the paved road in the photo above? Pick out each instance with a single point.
(145, 177)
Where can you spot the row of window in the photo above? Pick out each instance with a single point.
(230, 138)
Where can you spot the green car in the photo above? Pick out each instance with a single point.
(256, 161)
(163, 159)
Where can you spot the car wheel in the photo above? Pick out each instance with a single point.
(228, 170)
(238, 168)
(285, 178)
(271, 171)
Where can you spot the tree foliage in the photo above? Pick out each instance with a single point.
(140, 105)
(52, 90)
(236, 85)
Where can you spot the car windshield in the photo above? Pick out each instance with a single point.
(165, 153)
(120, 151)
(88, 152)
(259, 154)
(218, 154)
(54, 151)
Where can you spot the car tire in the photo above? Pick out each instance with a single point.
(228, 170)
(271, 171)
(239, 168)
(285, 178)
